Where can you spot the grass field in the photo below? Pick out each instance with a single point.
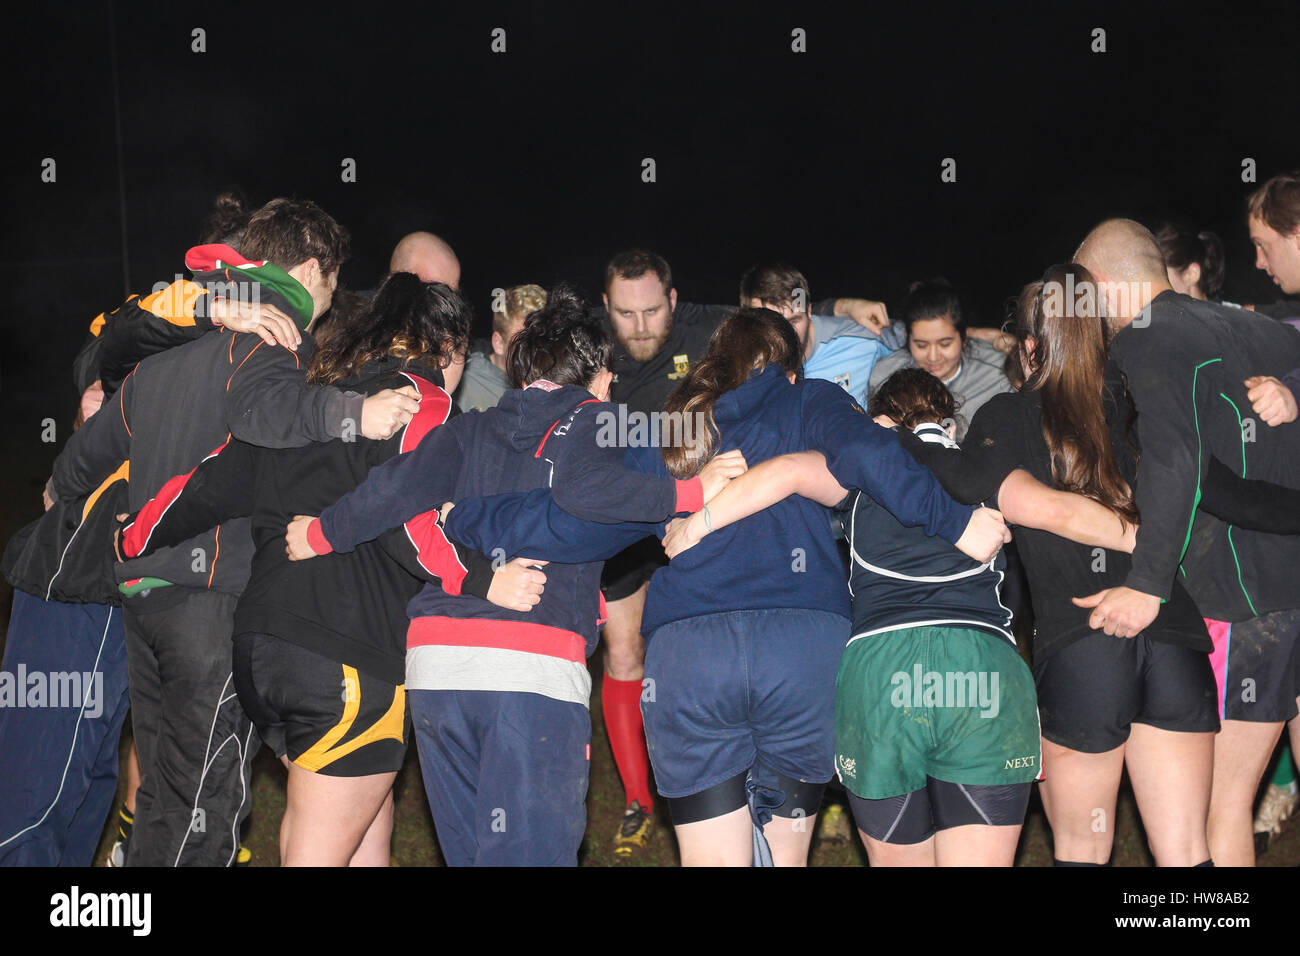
(416, 844)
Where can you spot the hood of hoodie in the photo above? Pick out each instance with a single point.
(219, 265)
(532, 413)
(742, 403)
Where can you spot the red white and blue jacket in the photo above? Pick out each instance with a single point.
(544, 436)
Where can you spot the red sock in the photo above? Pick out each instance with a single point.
(620, 702)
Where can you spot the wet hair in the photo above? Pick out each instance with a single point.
(407, 319)
(742, 346)
(775, 284)
(635, 263)
(561, 342)
(933, 299)
(1277, 203)
(1181, 247)
(288, 232)
(520, 302)
(227, 219)
(912, 396)
(1068, 366)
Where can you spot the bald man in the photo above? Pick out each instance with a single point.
(1187, 363)
(428, 256)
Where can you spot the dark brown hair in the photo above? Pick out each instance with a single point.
(743, 345)
(407, 319)
(288, 232)
(1181, 247)
(1068, 366)
(561, 342)
(911, 396)
(635, 263)
(227, 219)
(775, 283)
(933, 299)
(1277, 203)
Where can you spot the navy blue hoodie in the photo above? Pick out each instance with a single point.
(782, 557)
(544, 436)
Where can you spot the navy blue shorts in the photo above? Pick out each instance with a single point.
(725, 692)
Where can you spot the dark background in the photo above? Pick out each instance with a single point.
(529, 162)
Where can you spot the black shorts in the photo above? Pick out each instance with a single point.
(1091, 691)
(915, 817)
(327, 717)
(631, 568)
(1261, 678)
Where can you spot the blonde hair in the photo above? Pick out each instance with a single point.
(521, 301)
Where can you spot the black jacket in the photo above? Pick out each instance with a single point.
(66, 554)
(1186, 362)
(176, 409)
(348, 607)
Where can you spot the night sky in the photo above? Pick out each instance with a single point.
(529, 162)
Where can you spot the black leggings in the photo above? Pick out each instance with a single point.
(915, 817)
(801, 799)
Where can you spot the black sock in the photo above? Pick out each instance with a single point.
(1206, 863)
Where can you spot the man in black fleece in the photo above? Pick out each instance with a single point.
(1187, 363)
(195, 742)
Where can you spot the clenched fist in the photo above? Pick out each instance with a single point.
(383, 413)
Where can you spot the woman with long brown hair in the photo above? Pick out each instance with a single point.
(1106, 703)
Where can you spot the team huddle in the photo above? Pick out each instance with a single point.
(928, 564)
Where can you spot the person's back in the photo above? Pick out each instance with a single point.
(195, 742)
(902, 577)
(168, 436)
(1234, 573)
(500, 696)
(930, 778)
(319, 605)
(516, 446)
(790, 555)
(1009, 429)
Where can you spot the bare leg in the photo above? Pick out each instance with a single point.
(1241, 754)
(1079, 792)
(727, 840)
(898, 854)
(286, 819)
(624, 645)
(132, 777)
(789, 839)
(1171, 773)
(327, 818)
(976, 845)
(376, 846)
